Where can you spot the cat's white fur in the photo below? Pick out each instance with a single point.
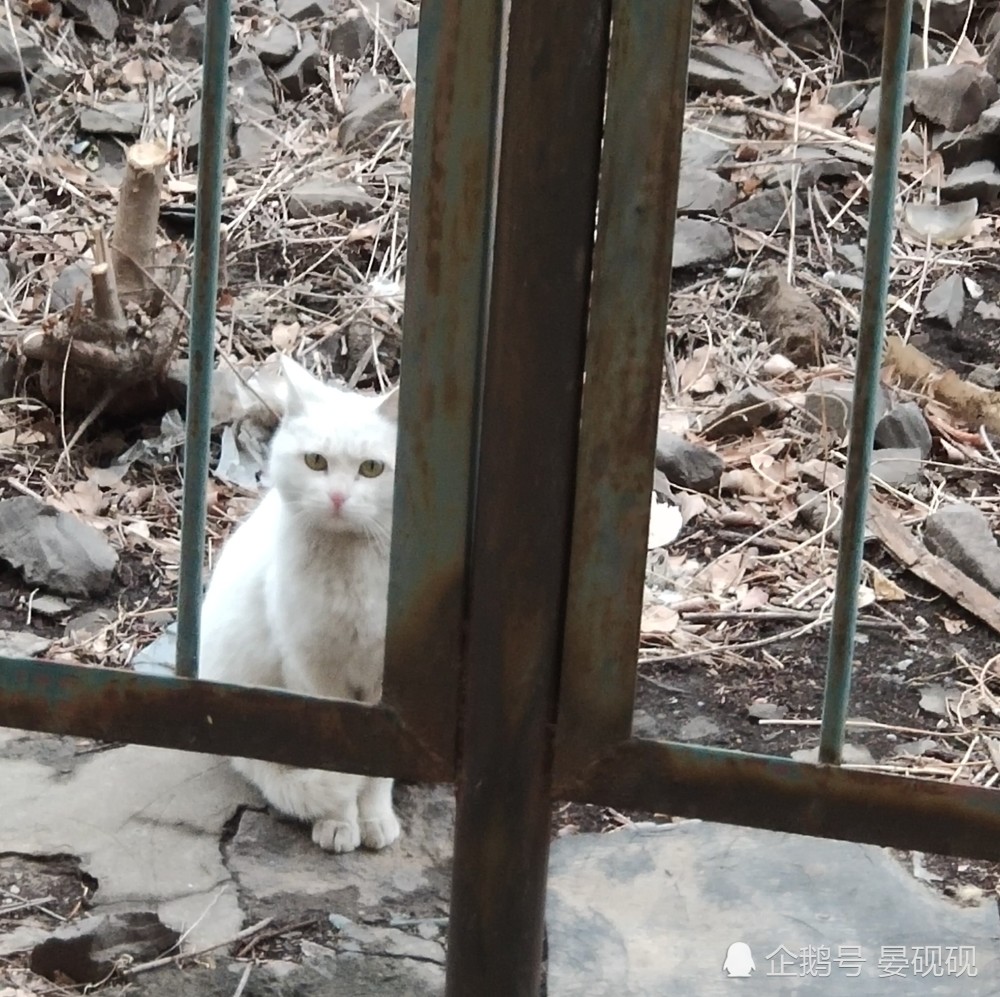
(297, 599)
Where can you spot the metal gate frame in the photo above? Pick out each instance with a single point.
(533, 356)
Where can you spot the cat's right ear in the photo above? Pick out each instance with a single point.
(299, 386)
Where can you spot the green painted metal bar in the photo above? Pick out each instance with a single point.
(201, 339)
(630, 294)
(866, 386)
(778, 794)
(196, 715)
(446, 286)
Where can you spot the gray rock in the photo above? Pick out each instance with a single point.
(167, 10)
(160, 657)
(254, 141)
(87, 951)
(305, 10)
(699, 729)
(787, 15)
(980, 180)
(868, 118)
(820, 512)
(978, 141)
(352, 36)
(369, 118)
(953, 96)
(614, 929)
(846, 97)
(319, 195)
(697, 241)
(98, 15)
(945, 301)
(897, 466)
(688, 465)
(946, 16)
(10, 45)
(20, 644)
(831, 403)
(986, 376)
(406, 50)
(935, 55)
(72, 280)
(302, 72)
(661, 484)
(767, 211)
(49, 605)
(742, 412)
(961, 534)
(54, 549)
(904, 426)
(851, 253)
(731, 71)
(117, 117)
(187, 36)
(702, 151)
(812, 164)
(49, 81)
(250, 89)
(88, 625)
(192, 125)
(275, 45)
(704, 192)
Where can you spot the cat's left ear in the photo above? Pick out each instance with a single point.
(388, 405)
(300, 385)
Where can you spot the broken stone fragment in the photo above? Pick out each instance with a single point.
(16, 49)
(787, 15)
(117, 117)
(20, 644)
(945, 301)
(369, 117)
(962, 535)
(54, 549)
(768, 211)
(743, 411)
(88, 951)
(98, 15)
(352, 36)
(305, 10)
(49, 81)
(688, 465)
(405, 47)
(302, 72)
(953, 96)
(897, 466)
(276, 44)
(791, 321)
(731, 71)
(697, 241)
(704, 192)
(831, 404)
(904, 426)
(980, 180)
(320, 195)
(946, 16)
(967, 145)
(187, 36)
(250, 89)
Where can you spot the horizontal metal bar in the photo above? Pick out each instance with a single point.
(447, 258)
(779, 794)
(194, 715)
(640, 165)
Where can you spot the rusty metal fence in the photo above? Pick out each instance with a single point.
(532, 364)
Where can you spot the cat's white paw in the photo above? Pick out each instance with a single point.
(379, 832)
(336, 835)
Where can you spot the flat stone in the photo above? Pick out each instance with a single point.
(688, 465)
(55, 549)
(254, 141)
(945, 301)
(648, 912)
(167, 10)
(88, 625)
(319, 195)
(117, 117)
(831, 403)
(192, 125)
(250, 90)
(405, 46)
(846, 97)
(159, 657)
(699, 729)
(702, 151)
(812, 164)
(730, 71)
(742, 412)
(49, 605)
(897, 466)
(701, 191)
(305, 10)
(787, 15)
(187, 36)
(72, 280)
(21, 644)
(868, 118)
(962, 535)
(10, 45)
(946, 16)
(152, 843)
(905, 426)
(953, 96)
(352, 36)
(986, 376)
(99, 16)
(276, 44)
(980, 180)
(301, 72)
(967, 145)
(88, 950)
(49, 81)
(369, 117)
(768, 211)
(697, 241)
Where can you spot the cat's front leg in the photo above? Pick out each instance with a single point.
(379, 825)
(329, 800)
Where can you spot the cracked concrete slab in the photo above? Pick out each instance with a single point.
(652, 911)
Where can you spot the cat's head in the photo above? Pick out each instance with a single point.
(333, 456)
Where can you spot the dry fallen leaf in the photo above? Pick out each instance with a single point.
(886, 590)
(284, 335)
(658, 620)
(953, 626)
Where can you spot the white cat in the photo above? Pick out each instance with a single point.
(298, 596)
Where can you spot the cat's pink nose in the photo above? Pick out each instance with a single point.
(337, 500)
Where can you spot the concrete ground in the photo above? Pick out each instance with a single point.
(690, 908)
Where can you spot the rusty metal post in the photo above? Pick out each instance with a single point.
(544, 232)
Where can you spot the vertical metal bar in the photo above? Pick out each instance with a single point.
(446, 286)
(542, 253)
(201, 340)
(640, 165)
(866, 385)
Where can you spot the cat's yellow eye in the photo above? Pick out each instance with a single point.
(315, 461)
(371, 468)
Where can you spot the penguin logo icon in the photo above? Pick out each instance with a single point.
(739, 960)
